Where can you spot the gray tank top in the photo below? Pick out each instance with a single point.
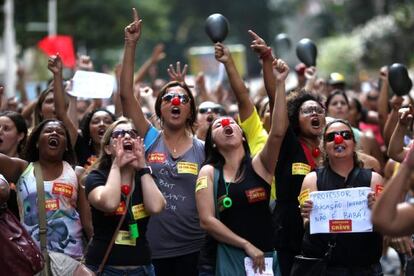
(176, 230)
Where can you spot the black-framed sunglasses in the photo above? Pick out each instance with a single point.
(170, 95)
(122, 132)
(346, 134)
(215, 110)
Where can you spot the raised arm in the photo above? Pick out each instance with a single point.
(396, 148)
(392, 118)
(383, 98)
(389, 215)
(208, 221)
(55, 66)
(107, 197)
(130, 104)
(267, 158)
(265, 54)
(244, 102)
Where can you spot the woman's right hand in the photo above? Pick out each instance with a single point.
(133, 30)
(54, 64)
(221, 53)
(257, 257)
(306, 208)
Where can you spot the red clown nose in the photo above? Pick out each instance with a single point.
(175, 101)
(338, 139)
(225, 122)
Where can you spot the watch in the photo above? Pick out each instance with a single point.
(144, 170)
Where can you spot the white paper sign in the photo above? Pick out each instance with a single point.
(248, 266)
(340, 211)
(92, 85)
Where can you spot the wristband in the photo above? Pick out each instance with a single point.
(143, 171)
(267, 53)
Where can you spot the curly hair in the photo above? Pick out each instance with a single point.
(294, 103)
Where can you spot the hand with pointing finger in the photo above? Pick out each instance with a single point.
(133, 30)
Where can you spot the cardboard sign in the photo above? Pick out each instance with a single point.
(340, 211)
(92, 85)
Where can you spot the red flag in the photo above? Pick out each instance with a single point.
(62, 44)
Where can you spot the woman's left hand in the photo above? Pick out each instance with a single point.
(139, 153)
(371, 200)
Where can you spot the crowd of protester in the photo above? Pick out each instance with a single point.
(197, 180)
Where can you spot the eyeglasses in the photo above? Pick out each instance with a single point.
(169, 96)
(122, 132)
(346, 134)
(215, 110)
(312, 109)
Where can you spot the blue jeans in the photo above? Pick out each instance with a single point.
(143, 270)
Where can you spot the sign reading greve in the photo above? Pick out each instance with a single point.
(340, 211)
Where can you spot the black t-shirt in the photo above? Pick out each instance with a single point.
(249, 216)
(351, 249)
(104, 225)
(84, 151)
(289, 174)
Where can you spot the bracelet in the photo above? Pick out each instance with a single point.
(267, 53)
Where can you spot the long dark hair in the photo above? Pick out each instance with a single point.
(20, 125)
(31, 153)
(86, 121)
(215, 159)
(357, 162)
(193, 116)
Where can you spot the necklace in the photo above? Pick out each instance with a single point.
(227, 202)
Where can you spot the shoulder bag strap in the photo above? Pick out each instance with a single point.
(41, 205)
(111, 244)
(41, 208)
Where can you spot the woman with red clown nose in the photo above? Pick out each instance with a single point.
(352, 253)
(175, 156)
(233, 191)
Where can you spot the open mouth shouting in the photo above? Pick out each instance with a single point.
(316, 122)
(53, 142)
(128, 145)
(175, 111)
(210, 118)
(228, 131)
(101, 132)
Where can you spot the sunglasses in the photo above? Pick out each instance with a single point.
(346, 134)
(312, 109)
(122, 132)
(215, 110)
(169, 96)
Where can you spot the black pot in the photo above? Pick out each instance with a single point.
(306, 51)
(399, 80)
(217, 27)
